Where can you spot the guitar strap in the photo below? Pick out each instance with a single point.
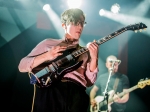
(116, 84)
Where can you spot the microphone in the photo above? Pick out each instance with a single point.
(113, 61)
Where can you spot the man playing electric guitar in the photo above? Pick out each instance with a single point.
(118, 83)
(67, 94)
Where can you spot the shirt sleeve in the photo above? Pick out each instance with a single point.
(26, 62)
(125, 82)
(91, 76)
(97, 82)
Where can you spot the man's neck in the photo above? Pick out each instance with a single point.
(72, 41)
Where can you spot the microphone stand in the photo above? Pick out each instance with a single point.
(106, 95)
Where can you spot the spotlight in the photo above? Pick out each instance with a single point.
(101, 12)
(74, 3)
(46, 7)
(115, 8)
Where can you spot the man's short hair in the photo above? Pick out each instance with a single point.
(111, 57)
(72, 16)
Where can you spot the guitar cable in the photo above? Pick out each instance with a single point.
(33, 95)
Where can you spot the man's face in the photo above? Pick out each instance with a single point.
(110, 65)
(73, 31)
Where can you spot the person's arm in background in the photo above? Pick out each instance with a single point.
(93, 94)
(125, 98)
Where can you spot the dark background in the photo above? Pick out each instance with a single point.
(23, 24)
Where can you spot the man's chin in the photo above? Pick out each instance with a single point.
(77, 37)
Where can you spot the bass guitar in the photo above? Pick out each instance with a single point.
(55, 70)
(101, 102)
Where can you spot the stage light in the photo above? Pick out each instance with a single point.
(55, 20)
(46, 7)
(74, 3)
(101, 12)
(115, 8)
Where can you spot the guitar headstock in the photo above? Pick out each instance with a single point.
(136, 27)
(142, 83)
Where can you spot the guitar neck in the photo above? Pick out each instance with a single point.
(100, 41)
(79, 52)
(110, 36)
(123, 93)
(120, 95)
(140, 84)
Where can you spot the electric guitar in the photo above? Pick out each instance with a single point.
(101, 102)
(55, 70)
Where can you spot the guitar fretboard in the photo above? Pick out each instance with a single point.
(110, 36)
(99, 42)
(77, 53)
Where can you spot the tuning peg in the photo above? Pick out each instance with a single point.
(141, 79)
(135, 31)
(146, 78)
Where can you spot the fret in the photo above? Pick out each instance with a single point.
(79, 52)
(104, 39)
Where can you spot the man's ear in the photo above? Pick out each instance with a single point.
(106, 64)
(63, 25)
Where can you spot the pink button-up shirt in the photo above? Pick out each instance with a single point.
(86, 79)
